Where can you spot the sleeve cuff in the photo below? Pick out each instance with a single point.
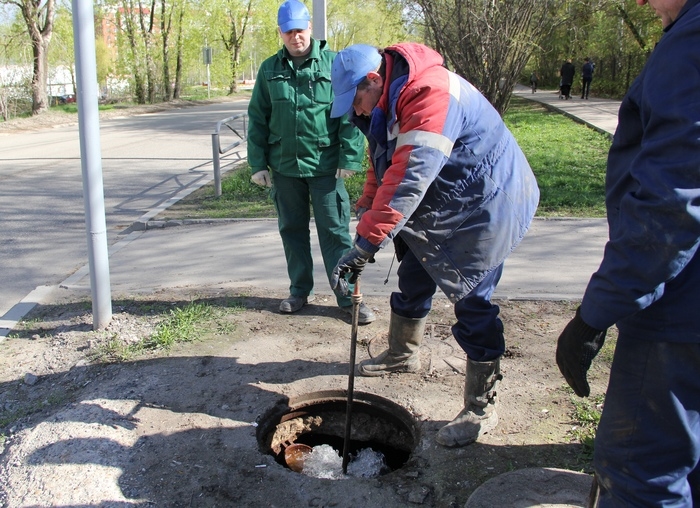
(363, 244)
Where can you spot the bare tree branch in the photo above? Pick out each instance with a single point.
(488, 41)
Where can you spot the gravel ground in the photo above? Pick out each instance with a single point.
(178, 426)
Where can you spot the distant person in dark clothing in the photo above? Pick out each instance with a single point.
(533, 81)
(567, 78)
(587, 76)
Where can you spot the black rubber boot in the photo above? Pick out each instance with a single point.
(405, 337)
(479, 414)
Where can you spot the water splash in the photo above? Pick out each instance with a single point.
(367, 464)
(325, 462)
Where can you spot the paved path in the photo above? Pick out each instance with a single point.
(599, 114)
(554, 261)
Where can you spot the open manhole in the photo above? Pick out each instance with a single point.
(317, 419)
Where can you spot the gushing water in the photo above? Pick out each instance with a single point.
(325, 462)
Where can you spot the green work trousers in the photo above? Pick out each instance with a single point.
(331, 210)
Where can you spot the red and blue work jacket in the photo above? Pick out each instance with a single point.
(447, 175)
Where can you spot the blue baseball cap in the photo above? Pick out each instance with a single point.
(293, 15)
(350, 67)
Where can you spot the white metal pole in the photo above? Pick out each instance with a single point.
(91, 161)
(319, 20)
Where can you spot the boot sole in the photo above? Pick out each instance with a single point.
(458, 444)
(378, 373)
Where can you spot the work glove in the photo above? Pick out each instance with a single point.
(344, 173)
(359, 212)
(262, 178)
(353, 262)
(578, 344)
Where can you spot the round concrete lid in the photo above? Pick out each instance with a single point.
(532, 488)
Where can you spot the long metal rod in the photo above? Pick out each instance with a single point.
(356, 301)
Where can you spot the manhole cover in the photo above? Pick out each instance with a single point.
(537, 487)
(318, 418)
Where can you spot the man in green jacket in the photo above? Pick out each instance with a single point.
(303, 154)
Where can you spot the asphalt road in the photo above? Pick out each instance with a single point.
(146, 159)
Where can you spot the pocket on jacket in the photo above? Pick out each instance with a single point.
(278, 85)
(321, 87)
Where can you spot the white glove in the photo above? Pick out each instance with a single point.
(344, 173)
(262, 178)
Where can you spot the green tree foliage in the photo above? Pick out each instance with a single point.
(377, 22)
(153, 38)
(237, 14)
(617, 35)
(61, 54)
(619, 60)
(495, 43)
(168, 16)
(15, 85)
(104, 61)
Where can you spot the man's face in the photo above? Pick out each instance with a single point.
(297, 42)
(367, 98)
(667, 10)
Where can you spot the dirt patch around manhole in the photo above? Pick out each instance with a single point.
(177, 427)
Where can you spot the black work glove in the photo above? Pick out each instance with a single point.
(353, 261)
(578, 344)
(400, 247)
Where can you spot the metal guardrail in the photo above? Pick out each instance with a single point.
(218, 150)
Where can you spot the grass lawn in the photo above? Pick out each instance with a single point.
(568, 160)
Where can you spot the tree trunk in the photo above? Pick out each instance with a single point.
(40, 99)
(139, 91)
(234, 42)
(178, 64)
(147, 35)
(39, 19)
(233, 87)
(165, 25)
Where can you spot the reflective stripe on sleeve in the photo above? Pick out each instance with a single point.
(427, 139)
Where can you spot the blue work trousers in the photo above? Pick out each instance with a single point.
(647, 447)
(478, 331)
(331, 207)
